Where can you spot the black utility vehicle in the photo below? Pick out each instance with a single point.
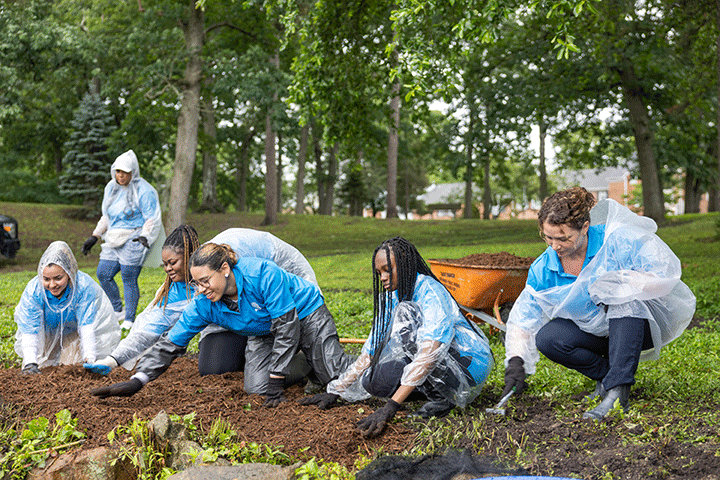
(9, 241)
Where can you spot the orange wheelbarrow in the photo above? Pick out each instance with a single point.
(482, 291)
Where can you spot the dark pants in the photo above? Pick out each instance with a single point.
(222, 352)
(613, 359)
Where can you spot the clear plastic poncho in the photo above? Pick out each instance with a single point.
(633, 274)
(131, 211)
(247, 242)
(80, 325)
(151, 323)
(441, 346)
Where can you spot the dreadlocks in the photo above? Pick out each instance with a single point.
(408, 263)
(183, 240)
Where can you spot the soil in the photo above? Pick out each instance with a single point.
(553, 443)
(491, 260)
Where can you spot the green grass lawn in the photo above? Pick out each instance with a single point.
(340, 249)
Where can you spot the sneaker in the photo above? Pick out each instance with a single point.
(120, 316)
(126, 325)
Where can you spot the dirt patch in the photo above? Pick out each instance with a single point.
(546, 434)
(491, 260)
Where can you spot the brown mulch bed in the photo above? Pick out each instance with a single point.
(545, 433)
(491, 260)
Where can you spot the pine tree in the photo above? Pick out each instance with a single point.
(87, 161)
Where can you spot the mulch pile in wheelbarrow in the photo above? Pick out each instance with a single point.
(493, 260)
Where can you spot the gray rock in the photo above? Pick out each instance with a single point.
(248, 471)
(92, 464)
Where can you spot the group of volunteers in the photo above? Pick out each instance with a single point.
(605, 294)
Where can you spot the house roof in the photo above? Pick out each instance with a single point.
(445, 193)
(595, 179)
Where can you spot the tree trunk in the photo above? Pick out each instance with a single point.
(210, 201)
(653, 204)
(328, 183)
(242, 169)
(487, 192)
(319, 169)
(188, 120)
(467, 211)
(692, 192)
(300, 185)
(393, 141)
(279, 172)
(271, 184)
(542, 169)
(714, 204)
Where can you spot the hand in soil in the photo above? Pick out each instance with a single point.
(275, 391)
(122, 389)
(31, 369)
(322, 400)
(373, 425)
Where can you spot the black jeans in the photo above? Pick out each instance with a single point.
(222, 352)
(613, 359)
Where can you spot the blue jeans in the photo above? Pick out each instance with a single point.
(613, 359)
(106, 272)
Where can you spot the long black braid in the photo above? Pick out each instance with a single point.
(408, 263)
(183, 240)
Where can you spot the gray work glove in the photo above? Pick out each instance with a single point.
(30, 369)
(142, 240)
(373, 425)
(515, 376)
(274, 394)
(88, 244)
(322, 400)
(122, 389)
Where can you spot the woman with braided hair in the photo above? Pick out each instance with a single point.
(166, 308)
(420, 345)
(605, 294)
(291, 333)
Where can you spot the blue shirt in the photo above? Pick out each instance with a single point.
(265, 292)
(547, 271)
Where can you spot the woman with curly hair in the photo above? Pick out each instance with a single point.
(605, 294)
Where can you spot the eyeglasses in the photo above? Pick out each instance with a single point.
(202, 282)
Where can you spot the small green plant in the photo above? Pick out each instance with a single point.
(136, 446)
(32, 446)
(325, 471)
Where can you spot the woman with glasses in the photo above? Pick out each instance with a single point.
(605, 294)
(282, 314)
(219, 347)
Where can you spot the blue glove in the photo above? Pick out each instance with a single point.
(97, 368)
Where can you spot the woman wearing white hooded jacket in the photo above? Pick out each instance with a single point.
(63, 316)
(131, 226)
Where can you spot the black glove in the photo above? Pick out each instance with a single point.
(142, 240)
(515, 376)
(274, 394)
(122, 389)
(30, 369)
(92, 240)
(373, 425)
(322, 400)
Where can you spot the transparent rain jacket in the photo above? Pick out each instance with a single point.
(247, 242)
(131, 211)
(152, 323)
(633, 274)
(80, 325)
(424, 331)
